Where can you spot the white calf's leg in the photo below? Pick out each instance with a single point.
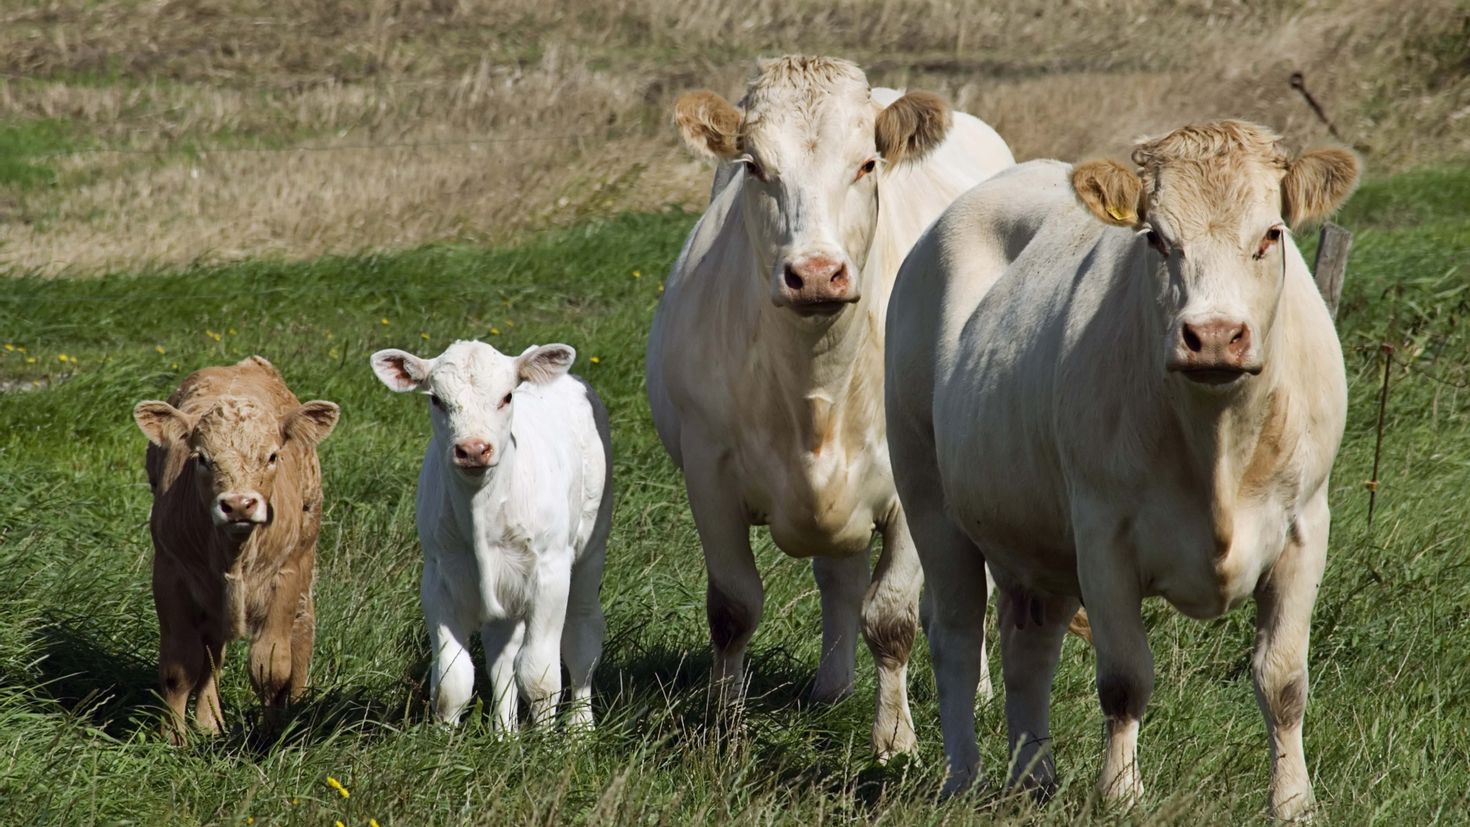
(735, 597)
(1125, 665)
(502, 640)
(890, 621)
(1031, 630)
(842, 582)
(538, 667)
(452, 676)
(581, 640)
(1284, 600)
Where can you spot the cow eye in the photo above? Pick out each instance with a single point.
(754, 167)
(273, 457)
(1272, 236)
(506, 400)
(203, 461)
(867, 167)
(1157, 242)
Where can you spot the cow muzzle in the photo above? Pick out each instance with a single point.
(1214, 351)
(239, 511)
(817, 285)
(474, 456)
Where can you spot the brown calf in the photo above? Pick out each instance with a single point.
(236, 510)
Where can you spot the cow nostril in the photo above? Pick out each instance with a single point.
(460, 452)
(1239, 334)
(792, 279)
(224, 505)
(839, 278)
(1192, 340)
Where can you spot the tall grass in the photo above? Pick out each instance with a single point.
(1387, 733)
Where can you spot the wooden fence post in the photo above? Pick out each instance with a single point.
(1331, 266)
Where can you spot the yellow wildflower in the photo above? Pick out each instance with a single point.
(249, 819)
(175, 365)
(61, 357)
(234, 332)
(596, 360)
(211, 334)
(424, 335)
(660, 288)
(494, 331)
(21, 348)
(339, 824)
(637, 275)
(30, 360)
(509, 323)
(10, 347)
(385, 321)
(159, 348)
(337, 785)
(372, 822)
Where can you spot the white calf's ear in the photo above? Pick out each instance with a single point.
(400, 370)
(1110, 191)
(161, 422)
(912, 126)
(541, 364)
(708, 123)
(312, 422)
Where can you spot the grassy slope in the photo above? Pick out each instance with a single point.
(1386, 734)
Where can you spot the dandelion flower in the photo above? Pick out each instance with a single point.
(385, 321)
(424, 335)
(61, 357)
(637, 275)
(494, 331)
(10, 346)
(175, 365)
(30, 360)
(660, 288)
(159, 348)
(249, 819)
(21, 348)
(339, 824)
(596, 360)
(234, 332)
(337, 785)
(372, 822)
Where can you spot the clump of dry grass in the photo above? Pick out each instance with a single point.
(533, 113)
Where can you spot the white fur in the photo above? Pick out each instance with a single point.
(516, 553)
(1032, 419)
(774, 418)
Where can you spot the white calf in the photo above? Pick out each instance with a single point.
(514, 504)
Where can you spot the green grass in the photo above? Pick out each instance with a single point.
(1388, 730)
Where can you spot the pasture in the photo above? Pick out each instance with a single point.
(1386, 730)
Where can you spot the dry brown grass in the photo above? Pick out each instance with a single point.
(572, 100)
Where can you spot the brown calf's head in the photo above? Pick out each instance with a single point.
(236, 448)
(812, 142)
(1214, 202)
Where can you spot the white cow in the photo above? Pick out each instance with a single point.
(765, 368)
(514, 505)
(1116, 383)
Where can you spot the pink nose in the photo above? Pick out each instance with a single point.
(472, 453)
(1214, 345)
(817, 280)
(238, 508)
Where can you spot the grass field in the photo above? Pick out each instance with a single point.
(1388, 728)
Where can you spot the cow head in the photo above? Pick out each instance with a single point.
(472, 388)
(813, 144)
(1214, 202)
(236, 448)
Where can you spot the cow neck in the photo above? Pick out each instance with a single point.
(813, 366)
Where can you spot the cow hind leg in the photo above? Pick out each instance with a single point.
(1284, 601)
(890, 622)
(1032, 627)
(841, 581)
(581, 640)
(303, 639)
(502, 640)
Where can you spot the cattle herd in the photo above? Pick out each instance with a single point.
(1063, 384)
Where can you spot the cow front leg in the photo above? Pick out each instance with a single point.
(734, 597)
(303, 630)
(581, 640)
(841, 581)
(1125, 665)
(890, 622)
(182, 656)
(538, 666)
(1032, 627)
(452, 675)
(502, 640)
(1284, 600)
(208, 715)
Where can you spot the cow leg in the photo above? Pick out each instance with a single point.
(890, 621)
(273, 650)
(956, 629)
(502, 640)
(538, 666)
(1125, 665)
(303, 632)
(841, 582)
(452, 677)
(734, 598)
(581, 640)
(1032, 627)
(182, 657)
(1284, 601)
(208, 715)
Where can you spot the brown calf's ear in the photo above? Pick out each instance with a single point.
(539, 365)
(1317, 183)
(708, 123)
(912, 126)
(312, 422)
(161, 422)
(1110, 191)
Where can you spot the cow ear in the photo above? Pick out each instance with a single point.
(312, 422)
(912, 126)
(162, 423)
(400, 370)
(1110, 191)
(709, 124)
(539, 365)
(1317, 183)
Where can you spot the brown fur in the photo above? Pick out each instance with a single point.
(912, 126)
(708, 123)
(208, 587)
(1316, 183)
(1109, 190)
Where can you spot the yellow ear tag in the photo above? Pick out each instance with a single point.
(1116, 213)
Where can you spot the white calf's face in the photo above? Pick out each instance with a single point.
(812, 142)
(471, 389)
(1213, 202)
